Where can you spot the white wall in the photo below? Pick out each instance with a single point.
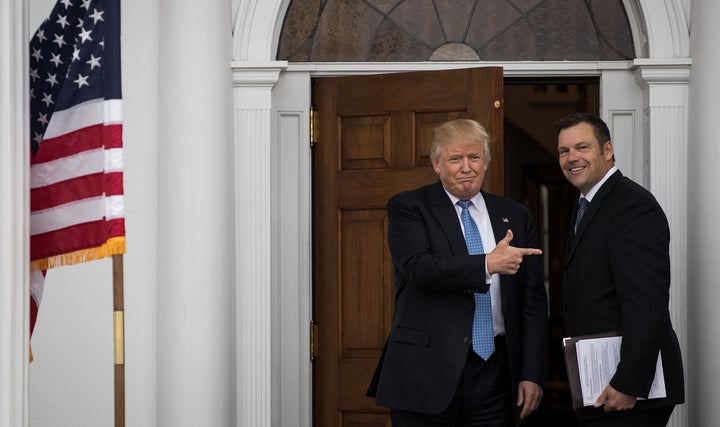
(703, 203)
(71, 379)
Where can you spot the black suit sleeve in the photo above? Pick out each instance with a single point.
(534, 311)
(422, 252)
(638, 251)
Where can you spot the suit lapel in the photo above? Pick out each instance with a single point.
(444, 211)
(593, 208)
(500, 224)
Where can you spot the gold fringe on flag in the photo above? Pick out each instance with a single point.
(114, 246)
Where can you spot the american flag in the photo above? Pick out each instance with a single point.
(76, 168)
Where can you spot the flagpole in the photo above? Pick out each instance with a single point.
(119, 332)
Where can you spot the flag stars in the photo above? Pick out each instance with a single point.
(85, 4)
(62, 20)
(47, 99)
(66, 3)
(37, 55)
(81, 81)
(38, 138)
(52, 79)
(40, 35)
(76, 54)
(85, 35)
(34, 74)
(94, 62)
(56, 59)
(42, 118)
(97, 16)
(59, 40)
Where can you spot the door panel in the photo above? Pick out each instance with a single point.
(374, 135)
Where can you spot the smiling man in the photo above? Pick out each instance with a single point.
(469, 334)
(616, 277)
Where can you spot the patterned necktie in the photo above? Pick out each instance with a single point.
(581, 211)
(483, 336)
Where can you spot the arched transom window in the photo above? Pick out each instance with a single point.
(427, 30)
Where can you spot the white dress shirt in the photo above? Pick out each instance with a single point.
(479, 213)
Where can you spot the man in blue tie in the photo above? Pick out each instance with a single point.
(616, 277)
(467, 345)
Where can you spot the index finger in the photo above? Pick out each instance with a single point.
(530, 251)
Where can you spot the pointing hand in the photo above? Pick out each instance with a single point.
(506, 259)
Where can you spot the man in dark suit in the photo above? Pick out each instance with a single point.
(617, 277)
(430, 373)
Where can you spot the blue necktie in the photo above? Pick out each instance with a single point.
(581, 211)
(483, 336)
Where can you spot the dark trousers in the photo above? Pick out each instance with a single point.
(482, 399)
(655, 417)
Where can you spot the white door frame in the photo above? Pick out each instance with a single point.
(644, 101)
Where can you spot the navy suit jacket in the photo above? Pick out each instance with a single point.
(617, 278)
(435, 277)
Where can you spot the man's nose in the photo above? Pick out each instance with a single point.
(572, 155)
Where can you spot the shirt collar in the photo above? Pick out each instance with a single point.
(590, 194)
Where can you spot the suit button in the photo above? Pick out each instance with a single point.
(466, 340)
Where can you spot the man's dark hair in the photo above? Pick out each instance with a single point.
(600, 128)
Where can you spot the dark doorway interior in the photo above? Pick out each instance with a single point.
(533, 177)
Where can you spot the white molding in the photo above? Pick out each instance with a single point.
(257, 28)
(666, 28)
(511, 68)
(292, 253)
(254, 165)
(14, 208)
(638, 27)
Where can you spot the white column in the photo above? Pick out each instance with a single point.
(252, 89)
(703, 205)
(666, 100)
(14, 208)
(196, 343)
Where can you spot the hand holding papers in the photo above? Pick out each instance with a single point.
(591, 362)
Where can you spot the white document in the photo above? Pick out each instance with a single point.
(597, 362)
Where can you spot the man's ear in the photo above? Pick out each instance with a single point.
(435, 166)
(608, 150)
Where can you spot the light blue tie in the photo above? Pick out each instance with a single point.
(483, 336)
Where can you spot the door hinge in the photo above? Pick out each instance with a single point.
(313, 340)
(313, 133)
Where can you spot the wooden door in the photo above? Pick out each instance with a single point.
(373, 138)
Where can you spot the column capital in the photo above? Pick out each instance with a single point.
(650, 72)
(257, 74)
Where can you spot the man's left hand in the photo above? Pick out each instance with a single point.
(613, 400)
(529, 395)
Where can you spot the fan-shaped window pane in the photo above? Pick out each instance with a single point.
(422, 30)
